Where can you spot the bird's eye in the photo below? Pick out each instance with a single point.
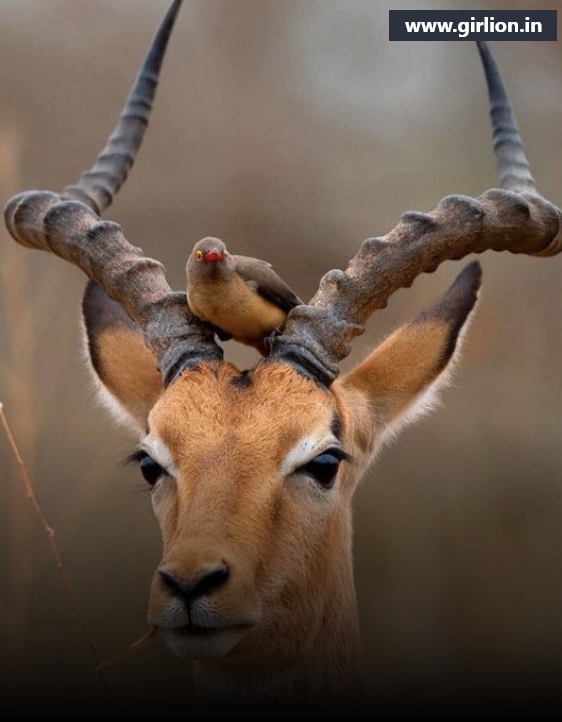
(199, 255)
(324, 467)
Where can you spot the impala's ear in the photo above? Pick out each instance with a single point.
(124, 368)
(401, 379)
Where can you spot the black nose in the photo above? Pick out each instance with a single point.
(204, 583)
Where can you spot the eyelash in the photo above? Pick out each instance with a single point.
(136, 456)
(322, 469)
(151, 470)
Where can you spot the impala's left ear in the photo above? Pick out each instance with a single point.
(401, 379)
(128, 380)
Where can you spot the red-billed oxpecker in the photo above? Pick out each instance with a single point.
(242, 297)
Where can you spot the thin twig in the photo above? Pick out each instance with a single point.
(133, 649)
(18, 339)
(29, 492)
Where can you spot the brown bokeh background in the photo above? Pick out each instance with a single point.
(292, 129)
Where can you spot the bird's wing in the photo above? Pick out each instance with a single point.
(261, 276)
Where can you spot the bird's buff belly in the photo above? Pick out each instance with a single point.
(244, 315)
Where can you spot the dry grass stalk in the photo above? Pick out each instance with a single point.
(17, 378)
(30, 493)
(133, 649)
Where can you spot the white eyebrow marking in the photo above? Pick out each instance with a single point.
(160, 453)
(306, 449)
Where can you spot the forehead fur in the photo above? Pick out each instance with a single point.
(265, 409)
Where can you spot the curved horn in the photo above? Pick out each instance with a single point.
(513, 167)
(69, 226)
(512, 218)
(98, 186)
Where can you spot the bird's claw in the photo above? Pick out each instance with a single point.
(269, 341)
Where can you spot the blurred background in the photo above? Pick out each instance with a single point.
(291, 129)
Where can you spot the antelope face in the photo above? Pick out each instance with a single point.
(253, 474)
(248, 495)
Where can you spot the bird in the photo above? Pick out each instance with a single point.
(243, 298)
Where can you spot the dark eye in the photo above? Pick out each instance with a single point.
(150, 469)
(324, 467)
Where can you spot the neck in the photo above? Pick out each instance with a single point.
(325, 677)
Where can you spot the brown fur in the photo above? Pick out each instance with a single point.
(229, 441)
(400, 368)
(129, 371)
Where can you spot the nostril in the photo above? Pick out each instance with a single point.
(172, 582)
(204, 583)
(212, 579)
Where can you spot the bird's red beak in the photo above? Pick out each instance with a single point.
(213, 256)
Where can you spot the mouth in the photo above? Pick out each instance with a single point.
(196, 642)
(194, 630)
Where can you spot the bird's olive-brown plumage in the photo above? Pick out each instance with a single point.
(242, 297)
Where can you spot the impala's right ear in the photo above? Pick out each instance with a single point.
(401, 379)
(125, 370)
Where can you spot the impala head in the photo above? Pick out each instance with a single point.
(253, 472)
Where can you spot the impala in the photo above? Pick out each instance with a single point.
(253, 471)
